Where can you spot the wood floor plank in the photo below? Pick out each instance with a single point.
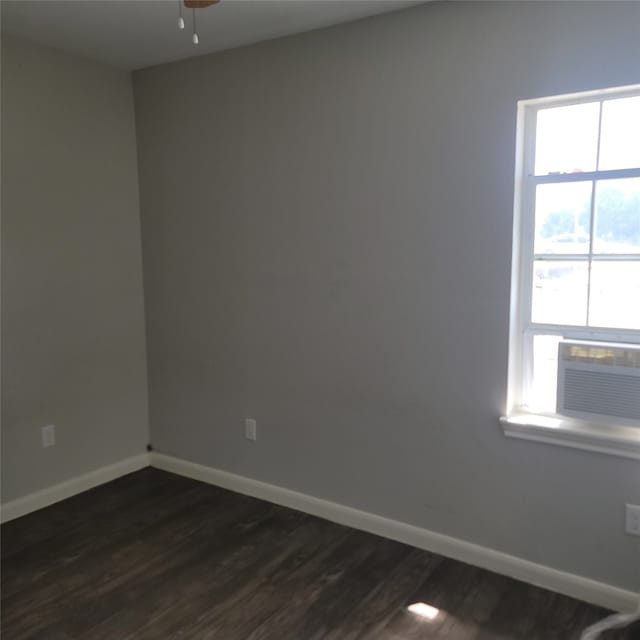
(155, 556)
(314, 611)
(96, 505)
(173, 574)
(184, 596)
(93, 587)
(368, 617)
(270, 591)
(25, 568)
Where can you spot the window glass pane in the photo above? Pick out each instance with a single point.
(559, 292)
(620, 136)
(542, 394)
(567, 139)
(617, 216)
(563, 217)
(615, 295)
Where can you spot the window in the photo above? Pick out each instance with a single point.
(576, 273)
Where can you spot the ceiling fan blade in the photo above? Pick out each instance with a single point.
(199, 4)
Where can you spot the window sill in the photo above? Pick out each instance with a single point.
(617, 440)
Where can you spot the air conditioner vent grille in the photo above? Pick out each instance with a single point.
(604, 393)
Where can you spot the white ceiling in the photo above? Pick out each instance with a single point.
(132, 34)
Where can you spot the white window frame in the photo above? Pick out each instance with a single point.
(608, 436)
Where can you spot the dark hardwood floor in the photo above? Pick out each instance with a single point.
(154, 555)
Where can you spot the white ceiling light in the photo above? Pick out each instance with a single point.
(194, 5)
(423, 610)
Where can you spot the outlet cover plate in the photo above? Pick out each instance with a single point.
(250, 429)
(632, 519)
(48, 435)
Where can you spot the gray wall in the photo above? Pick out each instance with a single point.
(73, 346)
(327, 243)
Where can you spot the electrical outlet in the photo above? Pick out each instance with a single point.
(49, 435)
(632, 521)
(250, 429)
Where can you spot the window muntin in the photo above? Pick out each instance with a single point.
(579, 245)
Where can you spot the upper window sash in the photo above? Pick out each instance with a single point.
(531, 108)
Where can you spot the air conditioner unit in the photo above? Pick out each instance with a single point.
(598, 379)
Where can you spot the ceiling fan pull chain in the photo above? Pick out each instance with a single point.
(195, 38)
(180, 16)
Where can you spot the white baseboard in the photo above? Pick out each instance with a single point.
(559, 581)
(46, 497)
